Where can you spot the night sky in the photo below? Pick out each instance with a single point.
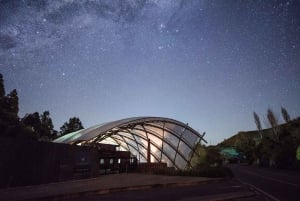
(208, 63)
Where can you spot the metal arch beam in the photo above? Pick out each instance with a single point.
(164, 140)
(143, 147)
(162, 144)
(164, 120)
(98, 132)
(130, 146)
(180, 139)
(140, 145)
(136, 144)
(187, 128)
(133, 127)
(194, 150)
(111, 126)
(145, 139)
(117, 143)
(174, 134)
(117, 133)
(144, 130)
(125, 142)
(154, 144)
(176, 150)
(156, 135)
(126, 130)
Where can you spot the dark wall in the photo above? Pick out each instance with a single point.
(24, 162)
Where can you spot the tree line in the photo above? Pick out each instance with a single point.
(32, 125)
(275, 147)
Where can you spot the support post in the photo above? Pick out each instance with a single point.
(149, 152)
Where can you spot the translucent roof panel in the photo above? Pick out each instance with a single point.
(171, 141)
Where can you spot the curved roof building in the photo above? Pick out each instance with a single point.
(171, 141)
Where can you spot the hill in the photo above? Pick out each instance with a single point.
(293, 127)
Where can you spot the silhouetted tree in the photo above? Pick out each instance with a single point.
(2, 89)
(47, 126)
(9, 108)
(74, 124)
(12, 100)
(33, 122)
(257, 122)
(273, 120)
(2, 96)
(41, 125)
(285, 115)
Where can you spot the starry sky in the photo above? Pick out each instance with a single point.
(208, 63)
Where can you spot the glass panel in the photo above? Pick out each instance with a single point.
(166, 160)
(184, 149)
(120, 141)
(180, 162)
(171, 139)
(155, 151)
(108, 141)
(175, 129)
(142, 143)
(190, 137)
(144, 154)
(127, 135)
(156, 124)
(155, 131)
(139, 132)
(169, 151)
(155, 140)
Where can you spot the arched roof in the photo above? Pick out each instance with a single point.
(171, 141)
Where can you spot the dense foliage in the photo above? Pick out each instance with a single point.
(74, 124)
(275, 147)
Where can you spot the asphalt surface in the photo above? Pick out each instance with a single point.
(100, 185)
(222, 190)
(250, 184)
(277, 185)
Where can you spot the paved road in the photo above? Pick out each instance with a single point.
(280, 185)
(258, 184)
(204, 192)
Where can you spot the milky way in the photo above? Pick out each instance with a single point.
(207, 63)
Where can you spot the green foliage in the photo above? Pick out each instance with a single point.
(201, 159)
(298, 153)
(277, 146)
(73, 125)
(40, 125)
(246, 145)
(278, 153)
(206, 156)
